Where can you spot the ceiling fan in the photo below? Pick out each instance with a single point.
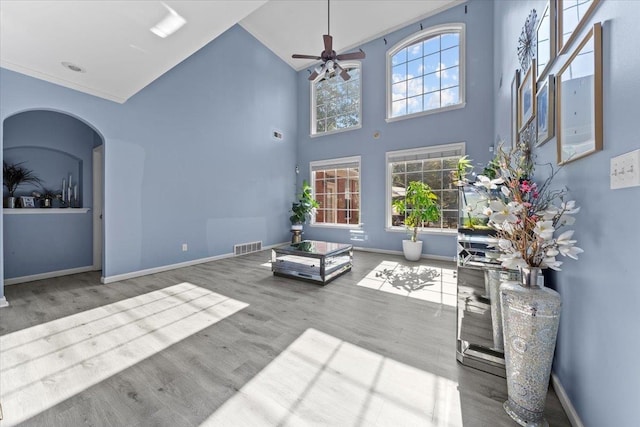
(329, 57)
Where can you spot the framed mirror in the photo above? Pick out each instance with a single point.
(572, 15)
(546, 39)
(579, 100)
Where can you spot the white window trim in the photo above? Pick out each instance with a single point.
(388, 190)
(337, 162)
(438, 29)
(312, 104)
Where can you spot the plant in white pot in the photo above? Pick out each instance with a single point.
(14, 175)
(301, 210)
(419, 206)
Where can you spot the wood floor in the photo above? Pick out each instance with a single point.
(228, 344)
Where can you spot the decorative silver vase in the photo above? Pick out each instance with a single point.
(493, 277)
(530, 318)
(10, 203)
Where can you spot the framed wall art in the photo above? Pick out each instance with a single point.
(572, 16)
(515, 84)
(545, 110)
(579, 100)
(527, 97)
(546, 39)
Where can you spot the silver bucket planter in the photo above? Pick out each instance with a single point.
(530, 316)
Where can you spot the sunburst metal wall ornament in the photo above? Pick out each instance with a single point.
(527, 41)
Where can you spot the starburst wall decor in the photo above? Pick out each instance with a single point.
(527, 41)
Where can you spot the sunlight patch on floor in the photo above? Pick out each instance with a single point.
(434, 284)
(43, 365)
(322, 380)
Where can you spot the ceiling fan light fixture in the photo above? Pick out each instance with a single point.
(171, 23)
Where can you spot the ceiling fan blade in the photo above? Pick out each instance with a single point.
(313, 75)
(328, 44)
(343, 73)
(296, 56)
(352, 55)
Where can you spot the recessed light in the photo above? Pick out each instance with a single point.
(73, 67)
(171, 23)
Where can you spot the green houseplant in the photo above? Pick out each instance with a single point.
(420, 205)
(14, 175)
(301, 210)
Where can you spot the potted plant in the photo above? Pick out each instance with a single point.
(420, 205)
(301, 210)
(46, 197)
(14, 175)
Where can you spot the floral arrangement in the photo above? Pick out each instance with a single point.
(46, 194)
(525, 215)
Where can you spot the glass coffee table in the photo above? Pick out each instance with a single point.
(312, 260)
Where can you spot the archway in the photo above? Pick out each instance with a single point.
(48, 242)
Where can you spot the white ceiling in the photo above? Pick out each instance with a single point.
(112, 41)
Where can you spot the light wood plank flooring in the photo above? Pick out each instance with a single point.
(227, 344)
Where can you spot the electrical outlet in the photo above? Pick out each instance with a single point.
(625, 170)
(185, 247)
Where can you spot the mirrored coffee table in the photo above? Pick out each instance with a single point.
(312, 260)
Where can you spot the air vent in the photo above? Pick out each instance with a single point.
(246, 248)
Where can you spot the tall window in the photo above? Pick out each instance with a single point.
(425, 72)
(336, 188)
(335, 103)
(431, 165)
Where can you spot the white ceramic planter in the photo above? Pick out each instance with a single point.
(412, 250)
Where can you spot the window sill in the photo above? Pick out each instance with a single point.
(426, 113)
(338, 226)
(435, 231)
(316, 135)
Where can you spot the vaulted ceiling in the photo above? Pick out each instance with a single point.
(107, 48)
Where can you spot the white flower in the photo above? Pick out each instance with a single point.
(569, 207)
(502, 212)
(570, 251)
(551, 252)
(544, 229)
(487, 211)
(551, 263)
(565, 238)
(512, 260)
(565, 220)
(489, 184)
(505, 191)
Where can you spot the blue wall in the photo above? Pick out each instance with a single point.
(53, 145)
(597, 353)
(190, 158)
(472, 124)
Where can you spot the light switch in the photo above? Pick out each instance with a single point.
(625, 170)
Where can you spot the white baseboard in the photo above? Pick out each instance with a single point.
(4, 302)
(139, 273)
(389, 252)
(568, 407)
(48, 275)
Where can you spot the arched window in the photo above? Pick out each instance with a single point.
(335, 102)
(425, 72)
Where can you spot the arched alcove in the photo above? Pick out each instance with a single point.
(48, 242)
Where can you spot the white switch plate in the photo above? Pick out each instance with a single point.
(184, 247)
(625, 170)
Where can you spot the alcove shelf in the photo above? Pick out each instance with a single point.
(44, 211)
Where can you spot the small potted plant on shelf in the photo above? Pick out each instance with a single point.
(46, 197)
(14, 175)
(301, 210)
(420, 206)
